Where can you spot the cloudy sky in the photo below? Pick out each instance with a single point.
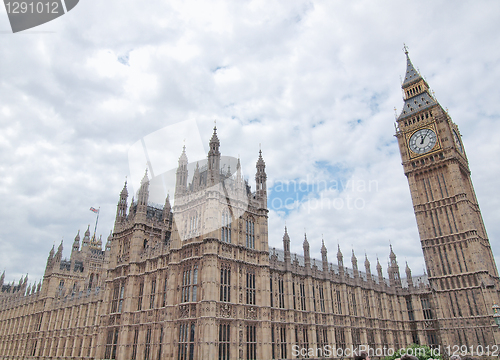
(314, 82)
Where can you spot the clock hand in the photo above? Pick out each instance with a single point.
(423, 137)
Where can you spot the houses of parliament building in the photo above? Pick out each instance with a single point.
(196, 279)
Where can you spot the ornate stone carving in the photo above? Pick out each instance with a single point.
(225, 310)
(184, 311)
(251, 313)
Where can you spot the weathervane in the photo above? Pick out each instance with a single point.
(405, 48)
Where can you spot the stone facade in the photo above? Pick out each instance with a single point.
(198, 280)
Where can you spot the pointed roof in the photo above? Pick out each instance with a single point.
(52, 251)
(323, 247)
(353, 257)
(285, 236)
(305, 243)
(260, 161)
(391, 254)
(339, 253)
(421, 100)
(87, 232)
(145, 179)
(408, 270)
(214, 138)
(77, 237)
(183, 159)
(124, 190)
(60, 248)
(367, 262)
(412, 75)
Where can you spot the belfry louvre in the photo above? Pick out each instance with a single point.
(197, 280)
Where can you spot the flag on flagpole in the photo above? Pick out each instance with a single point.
(94, 210)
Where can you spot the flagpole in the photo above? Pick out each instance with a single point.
(96, 220)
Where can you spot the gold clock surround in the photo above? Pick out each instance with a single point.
(408, 135)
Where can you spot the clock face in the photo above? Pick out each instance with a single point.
(456, 138)
(422, 141)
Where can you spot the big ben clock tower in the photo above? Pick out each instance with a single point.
(460, 264)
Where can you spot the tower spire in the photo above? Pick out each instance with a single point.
(181, 174)
(260, 180)
(214, 159)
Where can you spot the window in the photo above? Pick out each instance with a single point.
(250, 287)
(281, 293)
(293, 291)
(224, 341)
(321, 337)
(152, 296)
(251, 342)
(147, 345)
(186, 341)
(139, 299)
(226, 227)
(321, 299)
(426, 307)
(164, 302)
(117, 299)
(225, 283)
(161, 343)
(189, 284)
(193, 222)
(134, 345)
(302, 296)
(339, 302)
(353, 307)
(356, 338)
(301, 337)
(278, 340)
(368, 312)
(314, 297)
(114, 300)
(250, 234)
(111, 343)
(271, 290)
(409, 306)
(340, 338)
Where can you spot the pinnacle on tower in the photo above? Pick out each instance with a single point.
(167, 207)
(379, 271)
(416, 91)
(354, 261)
(367, 262)
(260, 179)
(214, 140)
(52, 252)
(307, 257)
(143, 194)
(408, 275)
(286, 241)
(124, 190)
(367, 268)
(76, 243)
(183, 159)
(412, 76)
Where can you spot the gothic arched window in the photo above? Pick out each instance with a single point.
(226, 226)
(250, 233)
